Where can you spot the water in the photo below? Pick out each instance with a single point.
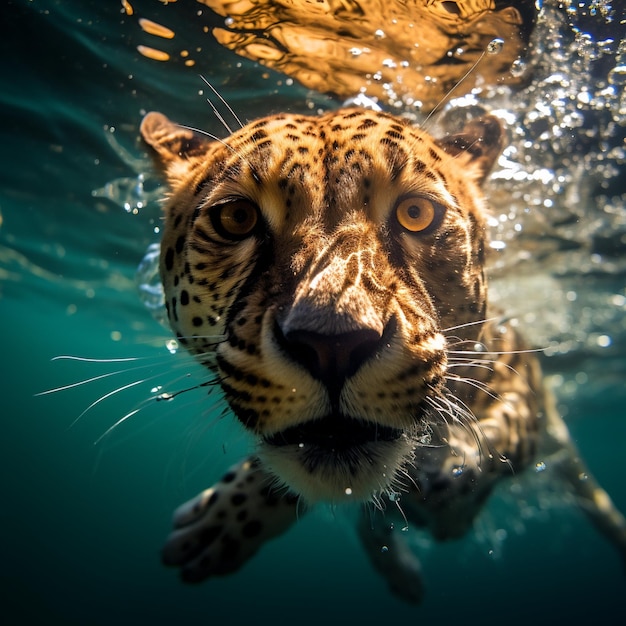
(83, 523)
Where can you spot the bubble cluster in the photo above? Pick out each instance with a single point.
(557, 193)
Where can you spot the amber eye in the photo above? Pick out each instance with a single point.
(236, 219)
(416, 213)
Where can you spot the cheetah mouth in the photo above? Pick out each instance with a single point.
(337, 458)
(334, 434)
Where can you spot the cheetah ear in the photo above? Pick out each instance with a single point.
(173, 145)
(479, 144)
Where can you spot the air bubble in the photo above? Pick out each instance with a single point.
(617, 76)
(384, 549)
(518, 68)
(495, 46)
(348, 491)
(540, 466)
(457, 471)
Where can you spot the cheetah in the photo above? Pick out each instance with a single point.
(330, 272)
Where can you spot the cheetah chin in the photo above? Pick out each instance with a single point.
(337, 457)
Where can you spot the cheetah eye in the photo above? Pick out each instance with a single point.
(236, 219)
(417, 213)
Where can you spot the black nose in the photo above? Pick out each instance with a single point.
(331, 358)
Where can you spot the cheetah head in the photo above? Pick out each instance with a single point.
(322, 263)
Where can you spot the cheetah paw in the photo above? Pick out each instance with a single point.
(216, 532)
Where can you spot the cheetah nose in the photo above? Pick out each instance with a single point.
(331, 359)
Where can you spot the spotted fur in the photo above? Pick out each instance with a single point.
(330, 271)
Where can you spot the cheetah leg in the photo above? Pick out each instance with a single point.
(219, 530)
(593, 500)
(391, 556)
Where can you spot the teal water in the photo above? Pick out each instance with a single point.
(82, 522)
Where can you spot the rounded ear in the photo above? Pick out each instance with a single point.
(479, 144)
(170, 141)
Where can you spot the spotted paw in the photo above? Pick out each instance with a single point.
(216, 532)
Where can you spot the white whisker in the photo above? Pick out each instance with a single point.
(82, 359)
(497, 352)
(147, 362)
(223, 101)
(253, 172)
(467, 363)
(86, 381)
(467, 324)
(477, 384)
(452, 89)
(108, 395)
(218, 115)
(114, 426)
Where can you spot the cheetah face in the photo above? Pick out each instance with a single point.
(323, 263)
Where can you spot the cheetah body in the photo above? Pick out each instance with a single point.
(331, 271)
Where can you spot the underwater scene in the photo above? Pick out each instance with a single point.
(109, 425)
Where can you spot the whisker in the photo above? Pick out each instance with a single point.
(253, 171)
(496, 352)
(467, 358)
(108, 395)
(477, 384)
(461, 414)
(147, 362)
(467, 324)
(86, 381)
(82, 359)
(410, 480)
(452, 89)
(218, 115)
(476, 363)
(161, 397)
(468, 363)
(110, 429)
(378, 502)
(223, 101)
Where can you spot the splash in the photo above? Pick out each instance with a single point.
(559, 203)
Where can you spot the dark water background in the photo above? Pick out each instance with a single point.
(82, 524)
